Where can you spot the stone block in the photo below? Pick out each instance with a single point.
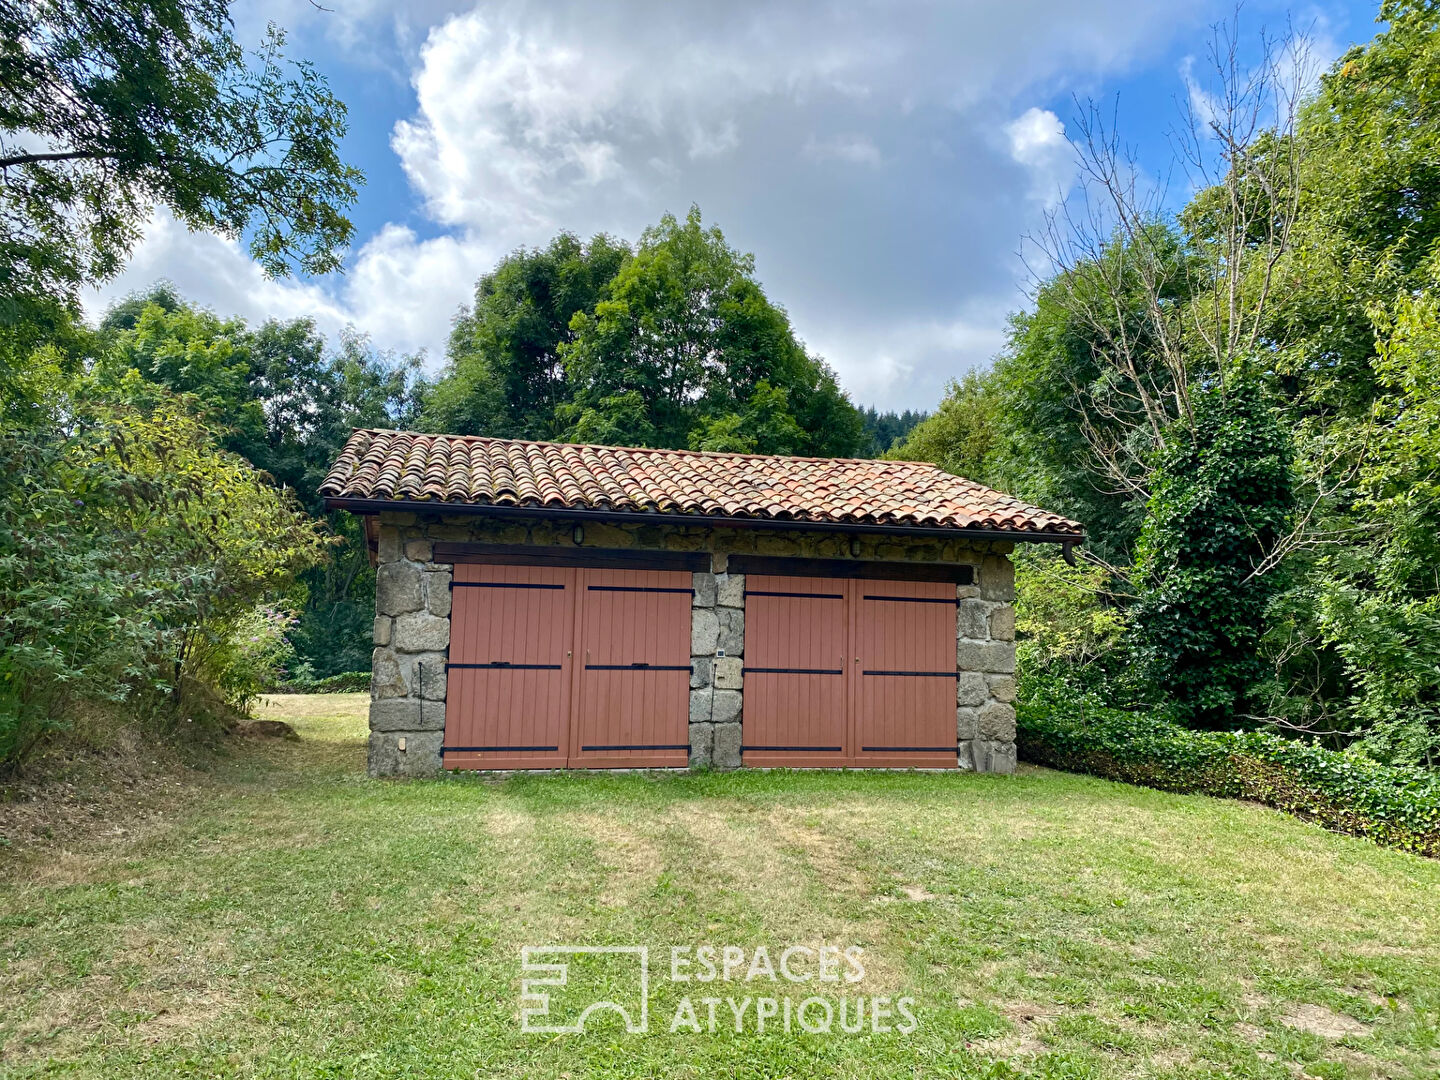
(701, 703)
(422, 632)
(726, 709)
(395, 714)
(996, 722)
(599, 534)
(387, 680)
(727, 746)
(1002, 623)
(967, 592)
(432, 716)
(382, 629)
(420, 755)
(967, 724)
(971, 688)
(972, 620)
(777, 544)
(730, 590)
(419, 550)
(997, 579)
(704, 586)
(397, 588)
(990, 757)
(397, 517)
(700, 671)
(1002, 687)
(702, 745)
(430, 676)
(727, 673)
(732, 631)
(720, 562)
(460, 533)
(437, 593)
(704, 632)
(388, 545)
(991, 656)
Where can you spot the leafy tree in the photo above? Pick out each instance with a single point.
(130, 548)
(504, 376)
(108, 110)
(281, 399)
(1222, 495)
(963, 434)
(682, 340)
(276, 395)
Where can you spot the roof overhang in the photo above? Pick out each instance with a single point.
(644, 517)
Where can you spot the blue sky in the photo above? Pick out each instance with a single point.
(883, 161)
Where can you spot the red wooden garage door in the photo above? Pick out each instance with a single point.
(633, 702)
(796, 641)
(849, 672)
(507, 699)
(554, 667)
(905, 691)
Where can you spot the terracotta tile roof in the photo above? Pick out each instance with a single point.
(400, 465)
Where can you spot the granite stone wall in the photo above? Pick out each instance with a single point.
(412, 628)
(985, 666)
(717, 651)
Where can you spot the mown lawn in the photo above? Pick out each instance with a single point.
(296, 919)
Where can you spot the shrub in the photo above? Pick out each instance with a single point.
(347, 682)
(1391, 805)
(130, 548)
(1221, 497)
(254, 656)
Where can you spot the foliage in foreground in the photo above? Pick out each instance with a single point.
(108, 110)
(133, 553)
(1393, 805)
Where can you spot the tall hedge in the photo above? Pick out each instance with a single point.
(1391, 805)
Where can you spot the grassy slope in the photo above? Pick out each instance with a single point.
(297, 920)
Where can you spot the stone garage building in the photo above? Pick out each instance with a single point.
(545, 605)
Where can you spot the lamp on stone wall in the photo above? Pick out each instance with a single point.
(578, 534)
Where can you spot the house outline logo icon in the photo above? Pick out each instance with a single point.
(535, 1000)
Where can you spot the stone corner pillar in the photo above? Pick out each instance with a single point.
(985, 668)
(412, 643)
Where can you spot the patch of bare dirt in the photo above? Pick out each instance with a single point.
(1328, 1024)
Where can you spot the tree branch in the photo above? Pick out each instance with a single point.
(58, 155)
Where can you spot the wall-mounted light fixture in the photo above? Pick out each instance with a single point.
(855, 546)
(578, 534)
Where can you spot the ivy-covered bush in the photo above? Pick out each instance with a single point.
(1076, 731)
(1220, 498)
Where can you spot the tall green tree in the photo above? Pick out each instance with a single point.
(504, 376)
(684, 340)
(1222, 495)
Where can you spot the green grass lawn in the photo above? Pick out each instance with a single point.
(296, 919)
